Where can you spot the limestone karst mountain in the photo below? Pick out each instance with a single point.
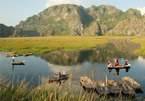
(73, 20)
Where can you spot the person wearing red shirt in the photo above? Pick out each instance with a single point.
(116, 63)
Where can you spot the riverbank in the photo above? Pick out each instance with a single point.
(141, 41)
(22, 92)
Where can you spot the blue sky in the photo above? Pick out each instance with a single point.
(14, 11)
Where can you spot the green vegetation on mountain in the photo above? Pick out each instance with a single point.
(73, 20)
(68, 19)
(56, 20)
(6, 31)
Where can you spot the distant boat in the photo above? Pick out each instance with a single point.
(18, 63)
(11, 54)
(120, 66)
(27, 54)
(59, 78)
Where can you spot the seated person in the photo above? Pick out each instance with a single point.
(109, 64)
(116, 63)
(126, 62)
(63, 73)
(57, 75)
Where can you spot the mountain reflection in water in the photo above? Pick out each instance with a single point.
(91, 63)
(114, 49)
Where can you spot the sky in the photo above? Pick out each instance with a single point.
(14, 11)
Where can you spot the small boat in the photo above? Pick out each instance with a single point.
(131, 82)
(11, 55)
(101, 88)
(58, 78)
(119, 67)
(112, 83)
(18, 63)
(94, 86)
(27, 54)
(127, 90)
(87, 84)
(114, 89)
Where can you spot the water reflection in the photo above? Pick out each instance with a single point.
(91, 63)
(115, 48)
(118, 70)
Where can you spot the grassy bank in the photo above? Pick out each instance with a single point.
(39, 45)
(141, 41)
(22, 92)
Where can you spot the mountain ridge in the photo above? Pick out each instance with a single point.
(73, 20)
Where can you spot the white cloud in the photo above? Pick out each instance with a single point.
(57, 2)
(142, 10)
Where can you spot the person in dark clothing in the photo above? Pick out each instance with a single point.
(126, 62)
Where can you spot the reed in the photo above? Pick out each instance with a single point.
(21, 92)
(40, 45)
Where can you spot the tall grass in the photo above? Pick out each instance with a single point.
(21, 92)
(39, 45)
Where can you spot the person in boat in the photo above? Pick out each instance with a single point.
(109, 64)
(13, 59)
(126, 62)
(57, 74)
(116, 62)
(63, 73)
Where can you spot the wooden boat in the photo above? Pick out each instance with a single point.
(11, 55)
(127, 90)
(27, 54)
(94, 86)
(87, 84)
(119, 67)
(18, 63)
(58, 79)
(131, 82)
(114, 89)
(112, 83)
(101, 88)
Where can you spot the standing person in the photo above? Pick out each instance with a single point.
(13, 59)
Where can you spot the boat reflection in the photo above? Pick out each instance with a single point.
(118, 70)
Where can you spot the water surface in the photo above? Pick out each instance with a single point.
(79, 63)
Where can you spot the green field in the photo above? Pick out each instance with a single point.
(40, 45)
